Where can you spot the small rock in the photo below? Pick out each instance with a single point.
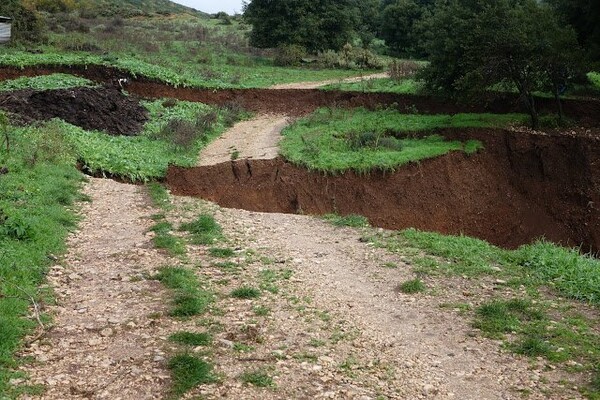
(106, 332)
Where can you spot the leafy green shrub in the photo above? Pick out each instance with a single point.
(403, 69)
(181, 132)
(289, 55)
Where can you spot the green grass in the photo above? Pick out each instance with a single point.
(191, 339)
(159, 195)
(594, 78)
(164, 239)
(337, 140)
(245, 292)
(44, 82)
(37, 198)
(258, 378)
(190, 298)
(145, 157)
(188, 372)
(383, 85)
(412, 286)
(352, 220)
(537, 323)
(221, 252)
(205, 230)
(572, 274)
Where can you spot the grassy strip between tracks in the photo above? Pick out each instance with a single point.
(338, 140)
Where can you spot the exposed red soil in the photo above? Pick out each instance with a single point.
(298, 102)
(105, 109)
(521, 187)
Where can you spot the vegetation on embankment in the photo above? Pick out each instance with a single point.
(337, 140)
(45, 82)
(175, 134)
(528, 306)
(38, 187)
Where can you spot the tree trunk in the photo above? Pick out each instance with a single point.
(535, 120)
(559, 104)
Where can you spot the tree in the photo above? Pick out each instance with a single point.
(400, 25)
(26, 25)
(314, 25)
(584, 17)
(477, 46)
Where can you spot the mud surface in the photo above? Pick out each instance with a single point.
(521, 187)
(105, 109)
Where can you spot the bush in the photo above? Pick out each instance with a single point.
(180, 132)
(400, 69)
(290, 55)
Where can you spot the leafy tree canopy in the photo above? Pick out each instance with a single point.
(475, 45)
(314, 25)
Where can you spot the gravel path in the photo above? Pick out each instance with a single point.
(105, 341)
(257, 138)
(316, 85)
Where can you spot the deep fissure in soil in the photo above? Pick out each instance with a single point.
(521, 187)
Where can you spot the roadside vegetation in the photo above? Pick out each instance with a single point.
(337, 140)
(539, 294)
(39, 186)
(174, 134)
(45, 82)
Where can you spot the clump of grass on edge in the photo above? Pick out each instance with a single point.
(191, 338)
(165, 240)
(258, 378)
(352, 220)
(187, 372)
(221, 252)
(498, 317)
(190, 299)
(205, 230)
(412, 286)
(245, 292)
(571, 273)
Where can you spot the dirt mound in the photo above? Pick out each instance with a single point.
(520, 188)
(105, 109)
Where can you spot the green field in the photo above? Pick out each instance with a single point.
(337, 140)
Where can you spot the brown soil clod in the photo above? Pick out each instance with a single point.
(105, 109)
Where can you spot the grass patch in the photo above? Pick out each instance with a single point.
(160, 197)
(190, 299)
(352, 220)
(191, 339)
(337, 140)
(37, 202)
(572, 274)
(205, 230)
(173, 135)
(503, 316)
(221, 252)
(412, 286)
(382, 85)
(258, 378)
(261, 311)
(246, 292)
(164, 239)
(188, 372)
(45, 82)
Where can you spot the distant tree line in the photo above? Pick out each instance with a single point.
(472, 45)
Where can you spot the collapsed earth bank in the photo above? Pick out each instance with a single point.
(521, 187)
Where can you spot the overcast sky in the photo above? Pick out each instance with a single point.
(213, 6)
